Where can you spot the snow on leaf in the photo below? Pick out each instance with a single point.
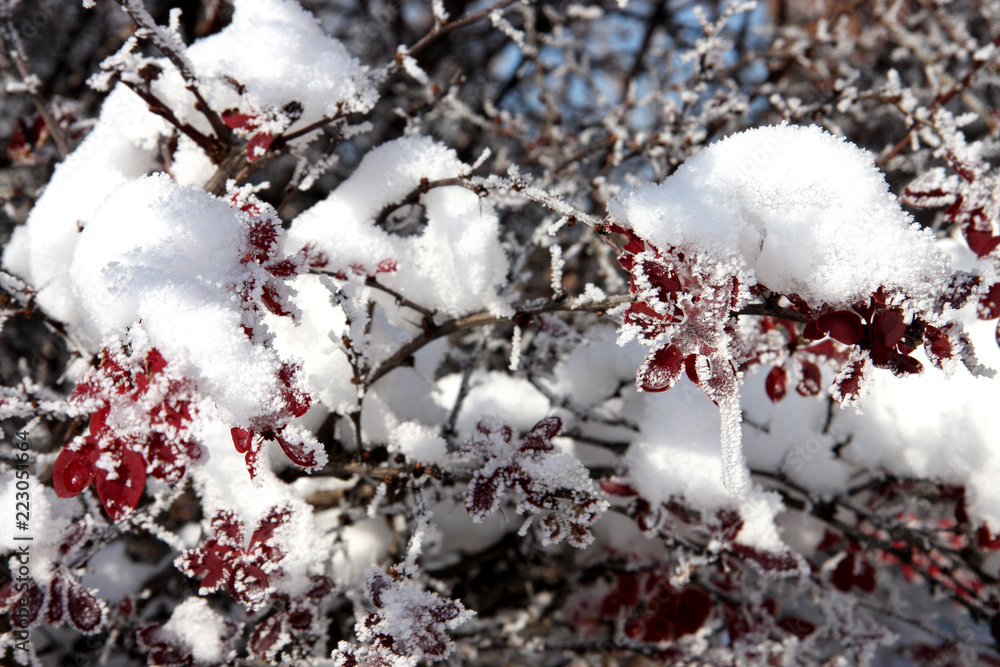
(408, 626)
(226, 561)
(546, 480)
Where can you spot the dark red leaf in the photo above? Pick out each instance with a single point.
(258, 144)
(277, 517)
(268, 637)
(812, 331)
(296, 449)
(812, 378)
(888, 327)
(986, 540)
(249, 585)
(843, 326)
(799, 627)
(776, 384)
(483, 495)
(54, 602)
(85, 613)
(661, 369)
(981, 243)
(121, 495)
(74, 470)
(235, 120)
(272, 300)
(847, 387)
(540, 436)
(241, 438)
(989, 303)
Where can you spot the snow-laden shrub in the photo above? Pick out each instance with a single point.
(316, 299)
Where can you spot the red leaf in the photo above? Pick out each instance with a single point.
(986, 540)
(274, 519)
(847, 386)
(155, 361)
(85, 613)
(776, 384)
(54, 602)
(272, 300)
(843, 326)
(121, 494)
(74, 470)
(250, 585)
(228, 529)
(297, 450)
(540, 435)
(268, 637)
(258, 144)
(811, 380)
(241, 439)
(981, 243)
(661, 369)
(482, 497)
(235, 120)
(888, 327)
(989, 303)
(98, 420)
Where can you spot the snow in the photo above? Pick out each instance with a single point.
(676, 455)
(794, 210)
(937, 427)
(168, 256)
(454, 265)
(807, 212)
(201, 629)
(418, 443)
(273, 48)
(50, 518)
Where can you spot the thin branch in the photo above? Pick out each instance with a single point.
(440, 30)
(12, 45)
(484, 318)
(158, 107)
(770, 310)
(137, 11)
(942, 99)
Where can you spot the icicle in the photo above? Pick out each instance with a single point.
(733, 473)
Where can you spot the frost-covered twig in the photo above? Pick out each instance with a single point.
(481, 319)
(170, 46)
(439, 30)
(10, 41)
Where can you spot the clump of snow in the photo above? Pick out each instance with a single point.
(47, 509)
(169, 256)
(417, 442)
(676, 455)
(453, 265)
(937, 427)
(202, 630)
(277, 53)
(794, 210)
(807, 212)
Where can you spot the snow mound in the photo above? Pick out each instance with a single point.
(453, 265)
(169, 256)
(277, 54)
(809, 213)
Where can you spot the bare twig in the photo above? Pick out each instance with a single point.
(484, 318)
(440, 30)
(155, 33)
(11, 43)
